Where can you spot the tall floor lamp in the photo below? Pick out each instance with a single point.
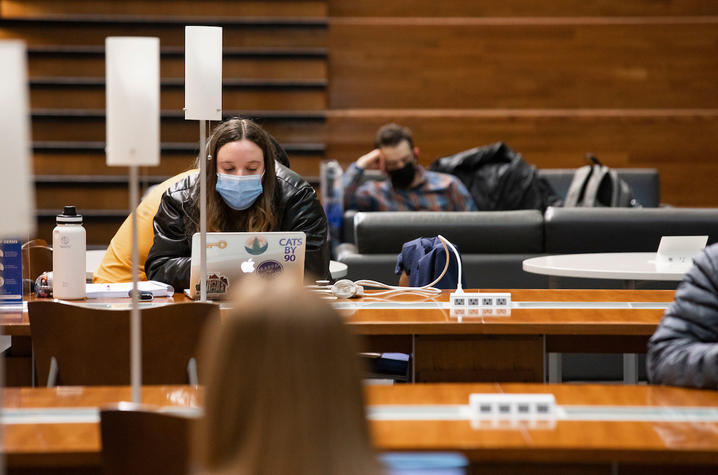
(17, 201)
(132, 67)
(203, 102)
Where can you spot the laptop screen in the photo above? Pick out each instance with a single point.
(233, 255)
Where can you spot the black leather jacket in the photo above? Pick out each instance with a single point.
(297, 209)
(684, 349)
(498, 178)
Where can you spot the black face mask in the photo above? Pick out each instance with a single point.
(402, 177)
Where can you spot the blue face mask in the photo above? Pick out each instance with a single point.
(239, 192)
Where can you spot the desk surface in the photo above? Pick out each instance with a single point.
(616, 265)
(655, 439)
(534, 311)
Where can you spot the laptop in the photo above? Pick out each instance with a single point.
(233, 255)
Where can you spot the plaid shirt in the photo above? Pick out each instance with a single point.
(435, 192)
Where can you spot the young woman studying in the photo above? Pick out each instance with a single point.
(247, 190)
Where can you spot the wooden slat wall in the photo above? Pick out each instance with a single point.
(275, 70)
(68, 96)
(680, 145)
(58, 63)
(46, 31)
(632, 82)
(511, 64)
(261, 8)
(521, 8)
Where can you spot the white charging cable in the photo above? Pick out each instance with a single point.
(345, 288)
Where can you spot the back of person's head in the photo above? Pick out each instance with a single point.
(284, 392)
(391, 135)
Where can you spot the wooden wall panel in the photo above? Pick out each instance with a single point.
(50, 33)
(680, 144)
(84, 196)
(497, 63)
(520, 8)
(81, 163)
(89, 163)
(99, 229)
(394, 8)
(91, 128)
(172, 98)
(59, 65)
(32, 8)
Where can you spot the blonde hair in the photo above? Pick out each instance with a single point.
(284, 392)
(220, 217)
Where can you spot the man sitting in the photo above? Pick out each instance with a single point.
(410, 187)
(684, 349)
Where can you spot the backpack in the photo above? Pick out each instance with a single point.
(597, 185)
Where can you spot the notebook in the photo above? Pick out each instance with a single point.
(233, 255)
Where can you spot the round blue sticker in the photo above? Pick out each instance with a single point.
(269, 268)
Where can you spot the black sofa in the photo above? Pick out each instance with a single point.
(644, 184)
(489, 256)
(493, 244)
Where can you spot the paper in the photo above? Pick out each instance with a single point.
(104, 291)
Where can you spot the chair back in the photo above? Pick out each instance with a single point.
(142, 441)
(92, 346)
(36, 259)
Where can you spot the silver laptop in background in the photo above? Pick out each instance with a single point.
(233, 255)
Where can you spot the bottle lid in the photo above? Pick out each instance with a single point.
(69, 216)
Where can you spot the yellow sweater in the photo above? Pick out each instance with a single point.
(116, 265)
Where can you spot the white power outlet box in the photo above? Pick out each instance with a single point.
(512, 406)
(472, 300)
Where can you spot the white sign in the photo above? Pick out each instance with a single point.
(133, 101)
(679, 251)
(17, 200)
(203, 73)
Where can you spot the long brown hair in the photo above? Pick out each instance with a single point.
(284, 392)
(220, 217)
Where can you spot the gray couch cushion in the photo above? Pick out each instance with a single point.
(474, 232)
(573, 230)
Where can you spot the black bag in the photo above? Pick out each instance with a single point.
(597, 185)
(498, 178)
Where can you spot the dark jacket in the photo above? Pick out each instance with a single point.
(498, 179)
(296, 206)
(684, 349)
(424, 259)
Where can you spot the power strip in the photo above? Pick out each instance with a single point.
(512, 406)
(480, 300)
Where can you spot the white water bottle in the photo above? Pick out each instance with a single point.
(68, 256)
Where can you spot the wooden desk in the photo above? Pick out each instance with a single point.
(565, 445)
(513, 347)
(489, 348)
